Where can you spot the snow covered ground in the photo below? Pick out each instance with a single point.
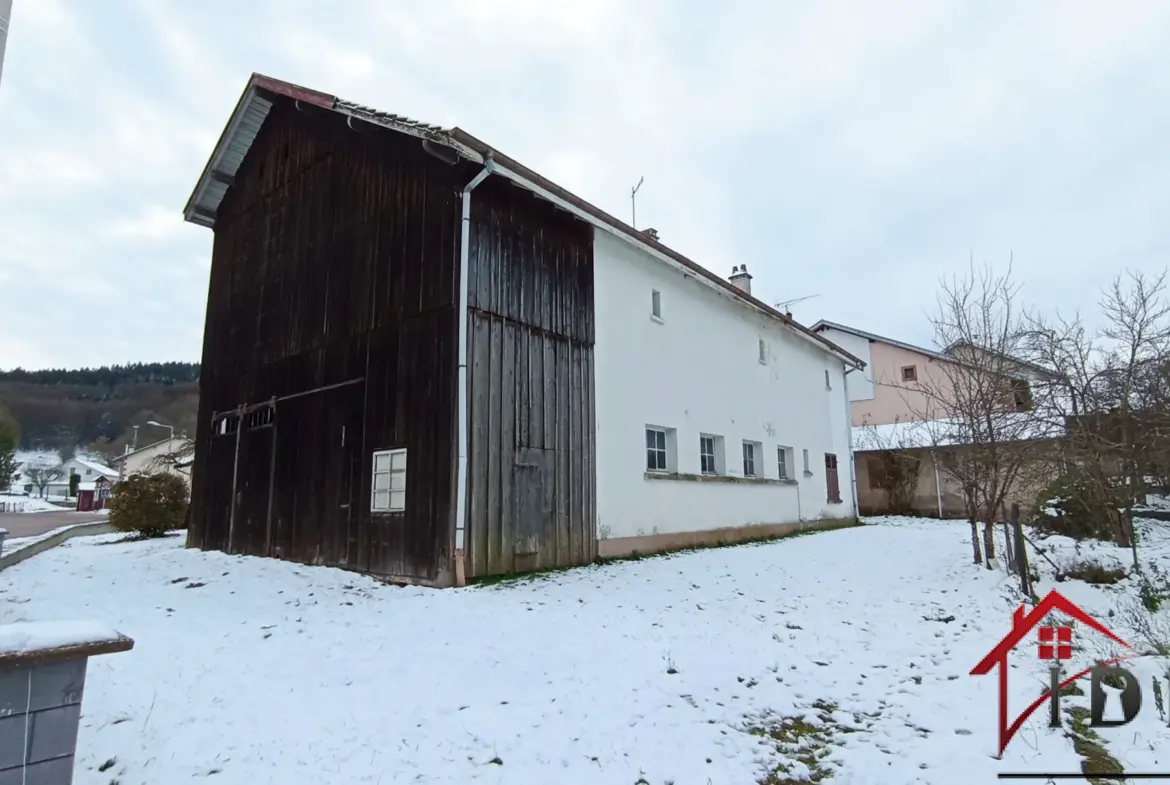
(848, 651)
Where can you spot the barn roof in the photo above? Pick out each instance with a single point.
(257, 100)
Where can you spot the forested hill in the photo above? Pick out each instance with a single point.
(96, 408)
(109, 375)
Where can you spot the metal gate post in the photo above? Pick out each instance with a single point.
(271, 483)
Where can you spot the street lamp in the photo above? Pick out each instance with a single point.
(157, 424)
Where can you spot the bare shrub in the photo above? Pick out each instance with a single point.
(149, 505)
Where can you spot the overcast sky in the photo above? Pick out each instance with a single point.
(851, 150)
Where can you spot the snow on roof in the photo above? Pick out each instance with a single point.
(919, 434)
(97, 467)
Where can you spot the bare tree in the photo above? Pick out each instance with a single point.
(41, 475)
(1113, 388)
(172, 461)
(892, 462)
(975, 401)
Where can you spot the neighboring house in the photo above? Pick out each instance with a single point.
(891, 412)
(619, 397)
(87, 471)
(170, 455)
(890, 388)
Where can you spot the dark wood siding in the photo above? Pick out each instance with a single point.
(532, 492)
(333, 288)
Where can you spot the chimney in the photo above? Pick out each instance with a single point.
(741, 279)
(651, 233)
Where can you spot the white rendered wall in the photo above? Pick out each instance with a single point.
(860, 382)
(698, 371)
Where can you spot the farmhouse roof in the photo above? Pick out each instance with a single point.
(254, 105)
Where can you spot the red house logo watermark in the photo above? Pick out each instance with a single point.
(1054, 645)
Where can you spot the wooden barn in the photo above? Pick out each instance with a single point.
(333, 372)
(401, 368)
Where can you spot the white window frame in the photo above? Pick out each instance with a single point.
(807, 469)
(763, 352)
(718, 465)
(669, 449)
(656, 305)
(784, 461)
(390, 474)
(756, 468)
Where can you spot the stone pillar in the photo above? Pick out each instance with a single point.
(42, 679)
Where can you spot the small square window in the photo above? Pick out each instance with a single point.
(909, 373)
(749, 459)
(388, 491)
(656, 304)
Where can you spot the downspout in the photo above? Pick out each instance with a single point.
(461, 382)
(849, 441)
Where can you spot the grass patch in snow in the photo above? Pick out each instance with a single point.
(1098, 766)
(512, 579)
(805, 743)
(1095, 573)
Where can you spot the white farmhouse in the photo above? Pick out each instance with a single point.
(718, 418)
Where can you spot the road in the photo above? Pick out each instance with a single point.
(30, 524)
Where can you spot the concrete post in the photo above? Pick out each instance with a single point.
(42, 678)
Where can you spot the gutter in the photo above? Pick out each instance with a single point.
(464, 144)
(463, 437)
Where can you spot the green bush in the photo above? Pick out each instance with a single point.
(1074, 506)
(149, 505)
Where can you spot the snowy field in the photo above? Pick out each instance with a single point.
(843, 653)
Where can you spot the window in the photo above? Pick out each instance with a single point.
(832, 484)
(89, 472)
(389, 484)
(909, 373)
(1021, 395)
(749, 459)
(656, 305)
(807, 470)
(661, 449)
(711, 459)
(707, 454)
(763, 352)
(828, 381)
(784, 461)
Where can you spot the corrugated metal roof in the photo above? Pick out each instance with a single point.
(253, 108)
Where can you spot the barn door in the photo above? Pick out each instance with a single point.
(532, 482)
(250, 515)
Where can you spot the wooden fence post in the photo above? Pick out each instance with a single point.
(975, 542)
(1021, 552)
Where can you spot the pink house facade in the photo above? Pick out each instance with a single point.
(886, 402)
(888, 389)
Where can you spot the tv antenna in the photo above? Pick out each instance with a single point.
(784, 306)
(634, 202)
